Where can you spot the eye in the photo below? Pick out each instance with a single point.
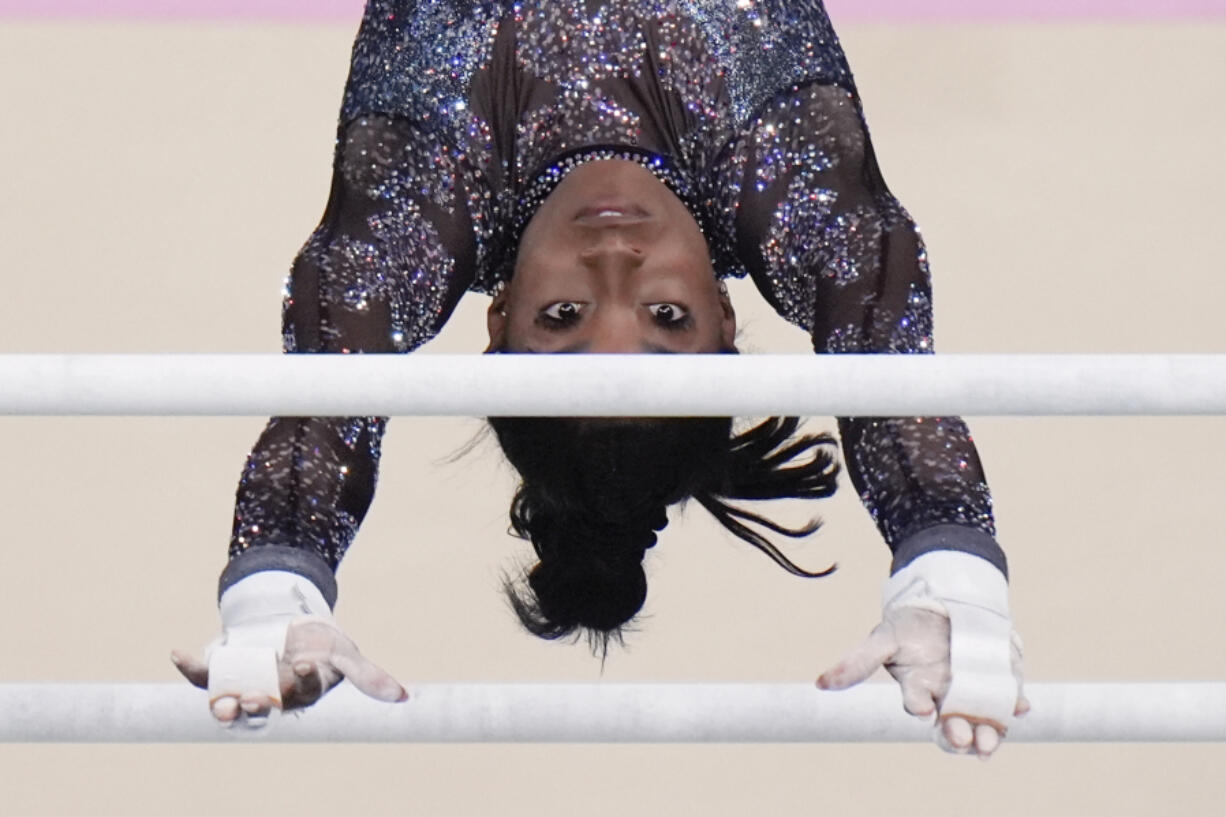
(669, 315)
(560, 314)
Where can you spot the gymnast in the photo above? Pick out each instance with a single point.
(599, 169)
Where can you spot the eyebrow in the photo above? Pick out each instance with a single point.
(582, 347)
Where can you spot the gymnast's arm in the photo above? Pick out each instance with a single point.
(381, 274)
(834, 252)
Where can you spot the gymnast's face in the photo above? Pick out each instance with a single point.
(612, 262)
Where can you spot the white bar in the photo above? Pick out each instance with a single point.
(612, 385)
(604, 713)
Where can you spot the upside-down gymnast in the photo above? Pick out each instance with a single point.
(599, 168)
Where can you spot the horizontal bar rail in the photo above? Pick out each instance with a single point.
(604, 713)
(611, 385)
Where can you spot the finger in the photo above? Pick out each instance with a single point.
(958, 732)
(1023, 706)
(256, 704)
(301, 685)
(256, 710)
(917, 699)
(225, 709)
(369, 678)
(862, 661)
(193, 669)
(987, 739)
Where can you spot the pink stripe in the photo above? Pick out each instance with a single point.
(919, 10)
(237, 10)
(840, 10)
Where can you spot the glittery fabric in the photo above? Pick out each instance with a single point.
(307, 485)
(459, 118)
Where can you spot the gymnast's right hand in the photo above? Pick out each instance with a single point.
(279, 649)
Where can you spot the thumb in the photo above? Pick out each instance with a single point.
(862, 661)
(193, 669)
(369, 678)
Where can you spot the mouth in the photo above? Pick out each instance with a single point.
(611, 215)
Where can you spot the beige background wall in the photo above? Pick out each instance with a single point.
(158, 179)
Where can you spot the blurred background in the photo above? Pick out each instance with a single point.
(164, 161)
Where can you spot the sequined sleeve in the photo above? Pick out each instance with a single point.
(382, 272)
(835, 253)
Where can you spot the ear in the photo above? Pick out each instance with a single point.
(496, 321)
(727, 327)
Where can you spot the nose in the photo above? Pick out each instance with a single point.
(614, 254)
(612, 248)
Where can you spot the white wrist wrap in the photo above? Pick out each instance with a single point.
(255, 615)
(975, 596)
(271, 594)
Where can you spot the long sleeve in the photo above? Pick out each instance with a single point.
(382, 272)
(835, 253)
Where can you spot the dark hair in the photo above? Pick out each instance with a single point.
(595, 493)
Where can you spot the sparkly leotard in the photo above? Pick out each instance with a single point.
(460, 117)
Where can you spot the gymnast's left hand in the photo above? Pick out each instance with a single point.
(279, 649)
(946, 637)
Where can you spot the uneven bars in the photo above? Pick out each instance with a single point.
(604, 713)
(612, 385)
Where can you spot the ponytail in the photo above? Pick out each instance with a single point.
(595, 493)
